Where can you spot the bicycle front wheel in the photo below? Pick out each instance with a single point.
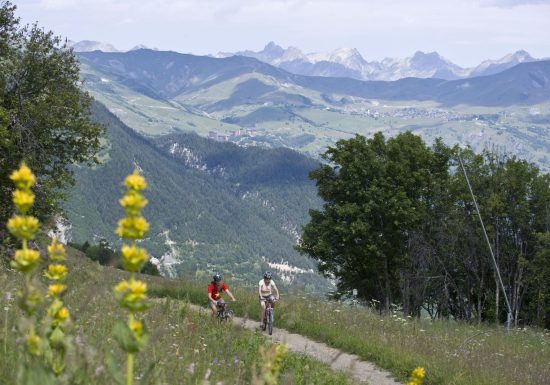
(270, 319)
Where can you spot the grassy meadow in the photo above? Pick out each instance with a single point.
(452, 353)
(185, 346)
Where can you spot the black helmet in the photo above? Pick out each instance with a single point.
(268, 275)
(217, 277)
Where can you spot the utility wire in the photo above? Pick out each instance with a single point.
(510, 316)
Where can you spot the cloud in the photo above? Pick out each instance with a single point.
(511, 3)
(463, 31)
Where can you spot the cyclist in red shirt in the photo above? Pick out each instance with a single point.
(215, 290)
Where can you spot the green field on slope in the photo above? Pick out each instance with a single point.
(186, 347)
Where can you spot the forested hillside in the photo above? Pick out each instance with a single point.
(213, 206)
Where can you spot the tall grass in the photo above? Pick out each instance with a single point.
(185, 347)
(452, 352)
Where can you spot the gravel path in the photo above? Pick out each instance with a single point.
(338, 360)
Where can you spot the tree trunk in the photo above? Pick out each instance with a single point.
(480, 297)
(387, 299)
(497, 293)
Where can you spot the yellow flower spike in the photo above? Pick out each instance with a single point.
(25, 260)
(132, 228)
(23, 227)
(23, 178)
(33, 344)
(23, 200)
(133, 258)
(135, 181)
(56, 251)
(56, 289)
(133, 202)
(56, 272)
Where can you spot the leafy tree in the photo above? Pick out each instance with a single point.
(44, 115)
(377, 193)
(539, 298)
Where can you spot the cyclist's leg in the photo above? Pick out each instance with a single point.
(262, 311)
(213, 307)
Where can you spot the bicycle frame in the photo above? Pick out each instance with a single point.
(224, 313)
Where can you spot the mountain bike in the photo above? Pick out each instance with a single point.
(269, 318)
(224, 312)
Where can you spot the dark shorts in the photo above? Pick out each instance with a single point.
(264, 298)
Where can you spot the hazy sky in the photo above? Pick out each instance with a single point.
(464, 31)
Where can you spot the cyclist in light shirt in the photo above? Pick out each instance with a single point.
(265, 292)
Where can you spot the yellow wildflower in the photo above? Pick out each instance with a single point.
(33, 343)
(56, 251)
(418, 373)
(135, 181)
(122, 286)
(137, 327)
(23, 227)
(62, 314)
(56, 272)
(25, 259)
(133, 202)
(132, 294)
(136, 288)
(132, 228)
(417, 376)
(23, 200)
(133, 258)
(23, 178)
(56, 289)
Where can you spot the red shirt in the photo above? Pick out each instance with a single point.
(213, 289)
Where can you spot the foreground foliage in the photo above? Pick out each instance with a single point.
(185, 347)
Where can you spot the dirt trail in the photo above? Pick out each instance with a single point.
(338, 360)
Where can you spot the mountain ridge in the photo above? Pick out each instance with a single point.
(421, 64)
(169, 74)
(348, 62)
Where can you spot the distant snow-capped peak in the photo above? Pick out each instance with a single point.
(90, 45)
(349, 57)
(141, 46)
(509, 60)
(490, 67)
